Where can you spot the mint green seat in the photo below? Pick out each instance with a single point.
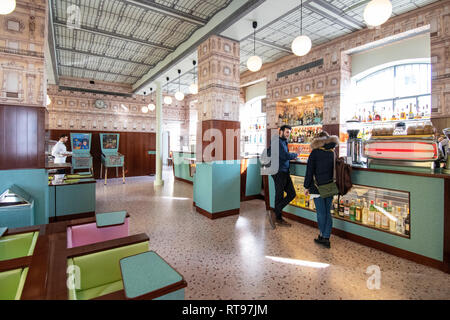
(98, 274)
(11, 283)
(17, 245)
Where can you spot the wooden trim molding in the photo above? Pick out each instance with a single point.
(72, 217)
(183, 180)
(217, 215)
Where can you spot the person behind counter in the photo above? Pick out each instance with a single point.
(320, 171)
(59, 151)
(282, 178)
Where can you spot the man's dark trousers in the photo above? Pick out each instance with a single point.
(283, 182)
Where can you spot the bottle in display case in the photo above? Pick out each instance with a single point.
(372, 211)
(352, 211)
(358, 211)
(384, 217)
(365, 213)
(400, 226)
(407, 222)
(346, 210)
(341, 208)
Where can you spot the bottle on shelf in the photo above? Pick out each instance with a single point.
(352, 214)
(384, 217)
(400, 226)
(411, 113)
(365, 213)
(392, 222)
(371, 217)
(335, 206)
(346, 210)
(407, 222)
(341, 209)
(358, 211)
(403, 114)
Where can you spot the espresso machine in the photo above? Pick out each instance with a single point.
(354, 144)
(446, 148)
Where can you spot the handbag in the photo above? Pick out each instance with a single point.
(330, 189)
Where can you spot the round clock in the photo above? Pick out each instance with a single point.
(100, 104)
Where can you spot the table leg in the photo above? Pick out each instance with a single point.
(101, 169)
(106, 175)
(123, 174)
(117, 172)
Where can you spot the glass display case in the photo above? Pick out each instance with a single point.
(381, 209)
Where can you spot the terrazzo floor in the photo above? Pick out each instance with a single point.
(241, 257)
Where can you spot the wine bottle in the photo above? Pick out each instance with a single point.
(352, 215)
(341, 209)
(365, 213)
(384, 218)
(372, 210)
(346, 210)
(358, 211)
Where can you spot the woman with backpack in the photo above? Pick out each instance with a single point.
(319, 179)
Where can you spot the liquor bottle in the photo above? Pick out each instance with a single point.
(335, 207)
(358, 211)
(369, 117)
(400, 225)
(346, 210)
(341, 209)
(352, 215)
(383, 115)
(371, 218)
(403, 114)
(377, 116)
(377, 219)
(365, 213)
(392, 224)
(384, 218)
(411, 113)
(407, 222)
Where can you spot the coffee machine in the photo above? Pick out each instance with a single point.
(354, 144)
(446, 148)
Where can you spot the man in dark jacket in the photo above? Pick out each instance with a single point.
(282, 178)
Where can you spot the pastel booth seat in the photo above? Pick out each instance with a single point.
(17, 245)
(98, 274)
(11, 283)
(84, 234)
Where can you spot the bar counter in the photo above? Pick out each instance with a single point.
(428, 196)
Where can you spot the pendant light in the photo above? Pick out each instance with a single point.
(179, 95)
(167, 98)
(144, 109)
(151, 106)
(7, 6)
(377, 12)
(193, 88)
(302, 44)
(254, 63)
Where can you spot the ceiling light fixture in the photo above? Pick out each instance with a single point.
(151, 106)
(7, 6)
(254, 63)
(167, 98)
(179, 95)
(193, 88)
(302, 44)
(377, 12)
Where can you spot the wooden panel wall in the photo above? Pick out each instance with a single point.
(134, 145)
(22, 137)
(222, 126)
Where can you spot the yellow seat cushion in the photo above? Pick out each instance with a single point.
(99, 291)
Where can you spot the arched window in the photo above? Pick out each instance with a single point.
(395, 89)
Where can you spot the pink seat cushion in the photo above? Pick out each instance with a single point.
(89, 233)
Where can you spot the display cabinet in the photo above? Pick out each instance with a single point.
(377, 208)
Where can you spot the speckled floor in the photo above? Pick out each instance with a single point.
(241, 257)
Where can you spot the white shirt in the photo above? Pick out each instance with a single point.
(57, 151)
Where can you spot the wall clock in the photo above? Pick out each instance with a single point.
(100, 104)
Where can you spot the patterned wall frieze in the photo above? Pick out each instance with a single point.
(332, 78)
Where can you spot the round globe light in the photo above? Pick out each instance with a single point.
(167, 100)
(151, 107)
(49, 101)
(301, 45)
(179, 96)
(193, 88)
(377, 12)
(254, 63)
(7, 6)
(144, 109)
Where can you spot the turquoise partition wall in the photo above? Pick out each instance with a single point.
(217, 187)
(34, 182)
(426, 203)
(181, 165)
(254, 178)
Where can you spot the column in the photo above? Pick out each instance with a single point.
(158, 181)
(217, 178)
